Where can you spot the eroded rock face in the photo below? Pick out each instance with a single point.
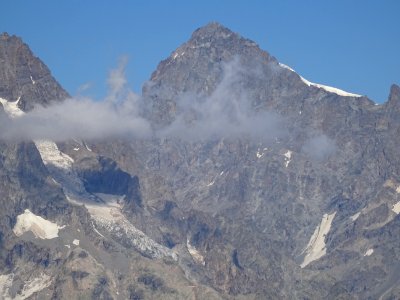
(255, 206)
(310, 213)
(24, 76)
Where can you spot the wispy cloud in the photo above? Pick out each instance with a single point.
(319, 147)
(227, 112)
(118, 115)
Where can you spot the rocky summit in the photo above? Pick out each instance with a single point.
(255, 184)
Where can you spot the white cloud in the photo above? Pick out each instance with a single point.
(319, 147)
(227, 112)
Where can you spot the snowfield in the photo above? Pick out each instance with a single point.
(11, 108)
(39, 226)
(396, 208)
(316, 247)
(29, 288)
(321, 86)
(106, 213)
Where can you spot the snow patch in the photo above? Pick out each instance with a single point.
(369, 252)
(87, 147)
(11, 108)
(288, 157)
(5, 285)
(106, 215)
(316, 247)
(396, 208)
(110, 218)
(39, 226)
(259, 153)
(33, 81)
(75, 242)
(211, 183)
(60, 168)
(51, 155)
(33, 286)
(355, 216)
(286, 67)
(177, 55)
(321, 86)
(76, 149)
(196, 255)
(95, 230)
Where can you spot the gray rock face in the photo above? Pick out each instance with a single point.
(312, 213)
(249, 207)
(102, 175)
(24, 76)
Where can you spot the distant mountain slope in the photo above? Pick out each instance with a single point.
(257, 184)
(24, 76)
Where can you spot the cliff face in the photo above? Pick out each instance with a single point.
(253, 207)
(257, 184)
(64, 225)
(25, 77)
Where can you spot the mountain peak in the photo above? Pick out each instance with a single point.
(216, 34)
(197, 66)
(212, 30)
(211, 44)
(394, 92)
(394, 97)
(25, 77)
(4, 35)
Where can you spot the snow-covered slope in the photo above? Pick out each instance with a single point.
(105, 213)
(11, 108)
(316, 246)
(29, 288)
(109, 218)
(39, 226)
(321, 86)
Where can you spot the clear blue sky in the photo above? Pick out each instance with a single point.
(350, 44)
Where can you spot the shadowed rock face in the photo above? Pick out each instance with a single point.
(102, 175)
(240, 213)
(24, 76)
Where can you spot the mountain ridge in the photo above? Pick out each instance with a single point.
(25, 78)
(241, 216)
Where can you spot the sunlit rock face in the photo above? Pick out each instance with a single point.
(25, 77)
(255, 183)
